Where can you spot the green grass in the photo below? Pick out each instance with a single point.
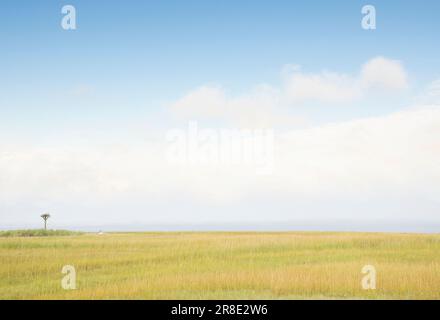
(221, 266)
(38, 233)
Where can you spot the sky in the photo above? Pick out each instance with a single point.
(97, 124)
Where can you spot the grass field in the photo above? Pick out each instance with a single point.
(221, 266)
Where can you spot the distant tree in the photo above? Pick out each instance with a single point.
(45, 217)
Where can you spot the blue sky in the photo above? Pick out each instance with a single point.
(120, 77)
(158, 50)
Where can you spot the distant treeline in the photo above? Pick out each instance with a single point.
(38, 233)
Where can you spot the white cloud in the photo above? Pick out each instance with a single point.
(324, 87)
(378, 73)
(266, 105)
(204, 101)
(383, 73)
(394, 154)
(262, 107)
(397, 155)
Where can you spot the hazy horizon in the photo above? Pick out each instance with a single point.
(268, 226)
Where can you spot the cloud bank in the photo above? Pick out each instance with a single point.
(393, 156)
(397, 155)
(266, 105)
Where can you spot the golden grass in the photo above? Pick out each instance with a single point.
(221, 266)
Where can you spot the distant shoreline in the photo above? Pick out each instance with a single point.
(428, 227)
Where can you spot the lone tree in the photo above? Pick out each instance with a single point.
(45, 217)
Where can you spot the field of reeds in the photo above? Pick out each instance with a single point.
(220, 265)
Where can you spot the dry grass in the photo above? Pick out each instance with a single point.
(221, 266)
